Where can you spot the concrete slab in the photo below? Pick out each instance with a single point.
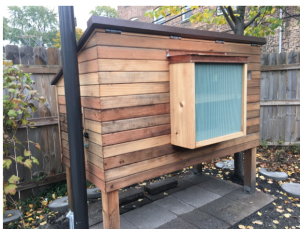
(95, 213)
(161, 186)
(175, 205)
(15, 215)
(177, 223)
(196, 196)
(279, 176)
(292, 189)
(60, 204)
(150, 216)
(93, 193)
(123, 223)
(225, 164)
(194, 179)
(219, 186)
(216, 205)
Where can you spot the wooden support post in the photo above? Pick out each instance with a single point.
(110, 209)
(69, 187)
(250, 170)
(198, 169)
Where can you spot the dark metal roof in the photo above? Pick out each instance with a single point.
(150, 28)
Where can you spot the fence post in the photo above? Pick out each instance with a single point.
(12, 53)
(52, 56)
(26, 55)
(40, 56)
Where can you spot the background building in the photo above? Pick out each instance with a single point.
(290, 29)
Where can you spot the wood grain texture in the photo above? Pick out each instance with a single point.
(93, 126)
(88, 67)
(141, 155)
(94, 137)
(62, 109)
(95, 149)
(64, 135)
(250, 170)
(69, 188)
(115, 65)
(171, 44)
(252, 121)
(182, 104)
(126, 113)
(253, 98)
(177, 160)
(134, 123)
(128, 147)
(133, 89)
(253, 114)
(252, 129)
(89, 78)
(88, 54)
(64, 126)
(91, 102)
(94, 159)
(132, 135)
(253, 106)
(110, 210)
(132, 77)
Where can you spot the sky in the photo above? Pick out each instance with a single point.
(81, 13)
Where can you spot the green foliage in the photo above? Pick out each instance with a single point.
(281, 141)
(264, 144)
(295, 148)
(31, 20)
(252, 20)
(105, 11)
(5, 28)
(57, 44)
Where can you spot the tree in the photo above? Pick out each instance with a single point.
(105, 11)
(57, 43)
(5, 28)
(32, 20)
(250, 21)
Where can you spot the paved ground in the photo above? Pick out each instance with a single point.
(199, 202)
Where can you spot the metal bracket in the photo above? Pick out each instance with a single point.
(86, 135)
(175, 37)
(113, 31)
(254, 44)
(220, 42)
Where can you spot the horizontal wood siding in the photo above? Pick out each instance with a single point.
(124, 82)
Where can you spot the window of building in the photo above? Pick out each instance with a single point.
(187, 14)
(134, 19)
(159, 20)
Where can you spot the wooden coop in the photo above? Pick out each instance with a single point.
(156, 99)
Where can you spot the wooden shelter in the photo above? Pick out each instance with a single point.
(141, 102)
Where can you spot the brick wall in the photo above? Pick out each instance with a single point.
(290, 34)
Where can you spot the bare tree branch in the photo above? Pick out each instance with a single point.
(227, 18)
(230, 11)
(252, 20)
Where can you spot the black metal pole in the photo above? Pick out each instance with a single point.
(74, 116)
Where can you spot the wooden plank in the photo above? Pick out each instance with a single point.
(44, 121)
(69, 188)
(182, 93)
(61, 82)
(250, 170)
(89, 78)
(128, 147)
(253, 83)
(253, 106)
(192, 157)
(209, 58)
(93, 126)
(94, 159)
(61, 99)
(63, 126)
(91, 102)
(95, 149)
(62, 109)
(252, 121)
(134, 100)
(159, 171)
(253, 91)
(26, 55)
(94, 137)
(132, 135)
(171, 44)
(253, 98)
(87, 54)
(91, 90)
(65, 144)
(132, 77)
(280, 103)
(244, 99)
(52, 56)
(88, 66)
(109, 52)
(256, 75)
(99, 173)
(127, 112)
(110, 210)
(219, 139)
(254, 67)
(264, 94)
(64, 135)
(252, 129)
(43, 88)
(116, 65)
(253, 114)
(44, 181)
(141, 155)
(12, 53)
(63, 118)
(133, 89)
(291, 93)
(134, 123)
(40, 55)
(40, 69)
(60, 90)
(280, 67)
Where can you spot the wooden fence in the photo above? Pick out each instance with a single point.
(43, 64)
(280, 98)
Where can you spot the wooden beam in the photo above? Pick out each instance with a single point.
(250, 170)
(44, 121)
(40, 69)
(110, 210)
(44, 181)
(207, 59)
(69, 188)
(280, 103)
(280, 67)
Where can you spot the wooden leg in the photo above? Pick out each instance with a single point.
(110, 209)
(198, 169)
(69, 187)
(250, 170)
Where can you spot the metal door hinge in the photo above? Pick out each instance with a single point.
(175, 37)
(113, 31)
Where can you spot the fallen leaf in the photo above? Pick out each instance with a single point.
(30, 219)
(290, 210)
(257, 222)
(242, 227)
(143, 183)
(288, 215)
(39, 212)
(41, 216)
(31, 205)
(258, 213)
(43, 223)
(279, 210)
(140, 200)
(166, 194)
(275, 221)
(9, 215)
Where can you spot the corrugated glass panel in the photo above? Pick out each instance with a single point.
(218, 98)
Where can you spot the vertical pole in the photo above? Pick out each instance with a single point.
(110, 210)
(69, 188)
(74, 117)
(250, 170)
